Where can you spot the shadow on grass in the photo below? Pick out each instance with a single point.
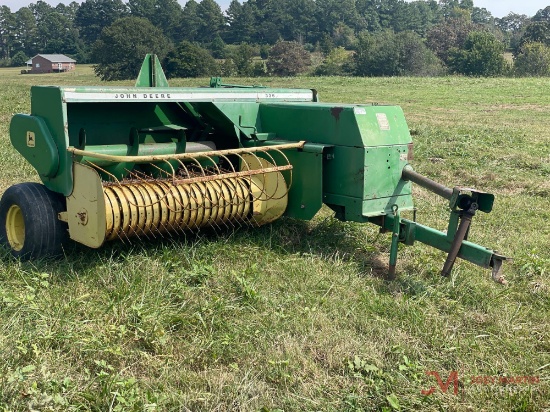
(329, 239)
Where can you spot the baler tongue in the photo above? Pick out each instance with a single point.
(464, 203)
(148, 160)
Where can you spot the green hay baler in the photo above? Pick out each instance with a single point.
(143, 161)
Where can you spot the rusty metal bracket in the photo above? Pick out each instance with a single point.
(460, 235)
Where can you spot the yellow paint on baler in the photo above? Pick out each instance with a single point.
(86, 208)
(171, 208)
(269, 191)
(99, 211)
(15, 228)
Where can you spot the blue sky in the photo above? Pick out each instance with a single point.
(498, 8)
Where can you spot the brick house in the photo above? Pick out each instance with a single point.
(52, 63)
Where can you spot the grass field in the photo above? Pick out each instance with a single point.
(296, 316)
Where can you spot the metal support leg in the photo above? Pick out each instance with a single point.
(394, 241)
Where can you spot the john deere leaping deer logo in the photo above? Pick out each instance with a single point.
(30, 139)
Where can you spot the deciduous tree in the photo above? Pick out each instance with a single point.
(218, 48)
(481, 55)
(481, 15)
(288, 58)
(19, 59)
(189, 60)
(377, 54)
(334, 63)
(513, 26)
(393, 54)
(533, 60)
(537, 32)
(543, 15)
(242, 57)
(452, 33)
(121, 47)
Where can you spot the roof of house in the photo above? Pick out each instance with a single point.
(56, 58)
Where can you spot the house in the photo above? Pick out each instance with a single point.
(52, 63)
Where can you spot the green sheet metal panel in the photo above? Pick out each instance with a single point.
(47, 104)
(342, 125)
(367, 181)
(244, 115)
(31, 137)
(383, 166)
(345, 173)
(151, 73)
(305, 196)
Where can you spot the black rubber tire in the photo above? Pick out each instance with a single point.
(45, 235)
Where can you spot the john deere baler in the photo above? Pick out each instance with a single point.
(143, 161)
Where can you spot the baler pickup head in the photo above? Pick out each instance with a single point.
(123, 162)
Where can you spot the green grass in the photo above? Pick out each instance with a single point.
(296, 316)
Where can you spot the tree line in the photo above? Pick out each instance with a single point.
(355, 37)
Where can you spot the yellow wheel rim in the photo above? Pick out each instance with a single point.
(15, 228)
